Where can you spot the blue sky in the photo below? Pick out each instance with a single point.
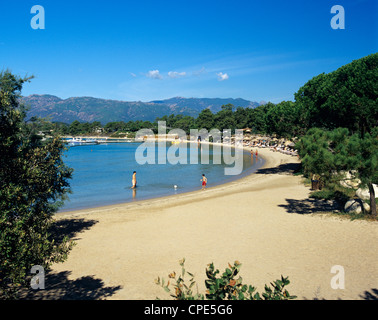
(146, 50)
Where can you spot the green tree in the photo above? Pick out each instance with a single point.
(75, 128)
(33, 183)
(85, 127)
(205, 120)
(224, 119)
(364, 158)
(347, 97)
(329, 154)
(283, 119)
(257, 117)
(185, 123)
(120, 126)
(147, 125)
(318, 158)
(241, 117)
(60, 128)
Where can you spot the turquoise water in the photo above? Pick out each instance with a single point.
(102, 175)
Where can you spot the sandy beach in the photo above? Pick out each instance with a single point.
(265, 220)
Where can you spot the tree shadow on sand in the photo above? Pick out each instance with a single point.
(57, 285)
(310, 206)
(285, 168)
(372, 295)
(70, 228)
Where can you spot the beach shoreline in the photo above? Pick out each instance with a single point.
(264, 220)
(137, 201)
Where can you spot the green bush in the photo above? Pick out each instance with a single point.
(334, 192)
(33, 184)
(223, 286)
(325, 194)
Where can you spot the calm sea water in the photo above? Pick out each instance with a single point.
(102, 175)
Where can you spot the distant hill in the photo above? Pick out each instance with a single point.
(198, 104)
(89, 109)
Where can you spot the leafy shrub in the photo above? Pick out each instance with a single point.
(334, 192)
(33, 184)
(325, 194)
(223, 286)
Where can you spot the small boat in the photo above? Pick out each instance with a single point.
(80, 142)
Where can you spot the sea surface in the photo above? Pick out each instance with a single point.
(102, 173)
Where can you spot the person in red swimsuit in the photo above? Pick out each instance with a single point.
(204, 181)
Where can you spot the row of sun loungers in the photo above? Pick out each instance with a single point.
(276, 148)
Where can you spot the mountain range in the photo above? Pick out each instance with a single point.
(89, 109)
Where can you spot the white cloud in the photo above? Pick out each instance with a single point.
(133, 74)
(175, 74)
(222, 76)
(154, 74)
(198, 73)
